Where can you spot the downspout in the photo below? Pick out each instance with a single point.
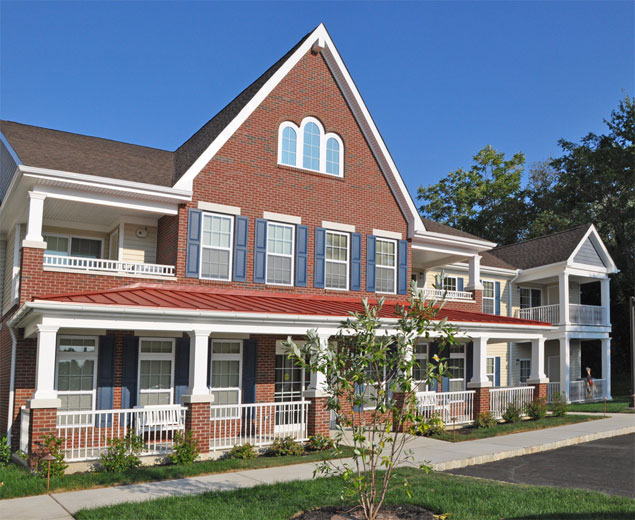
(510, 309)
(14, 345)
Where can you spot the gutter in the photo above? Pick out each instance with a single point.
(14, 345)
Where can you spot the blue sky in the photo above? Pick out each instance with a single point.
(441, 79)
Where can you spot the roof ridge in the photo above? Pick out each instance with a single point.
(541, 237)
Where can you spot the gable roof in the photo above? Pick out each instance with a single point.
(546, 250)
(437, 227)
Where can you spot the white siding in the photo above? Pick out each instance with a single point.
(3, 259)
(136, 249)
(588, 255)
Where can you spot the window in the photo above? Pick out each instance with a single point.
(386, 266)
(280, 239)
(226, 376)
(288, 146)
(449, 283)
(490, 369)
(76, 372)
(488, 297)
(456, 367)
(419, 370)
(156, 364)
(530, 297)
(525, 370)
(311, 155)
(56, 245)
(216, 246)
(336, 260)
(73, 246)
(333, 156)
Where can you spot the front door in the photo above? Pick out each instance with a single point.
(290, 382)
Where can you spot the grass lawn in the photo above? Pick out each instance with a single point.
(619, 404)
(464, 498)
(470, 434)
(18, 481)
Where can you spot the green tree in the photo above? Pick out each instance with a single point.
(486, 200)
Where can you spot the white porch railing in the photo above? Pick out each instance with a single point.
(546, 313)
(25, 418)
(578, 391)
(439, 294)
(86, 434)
(552, 390)
(451, 407)
(257, 424)
(109, 266)
(501, 398)
(586, 314)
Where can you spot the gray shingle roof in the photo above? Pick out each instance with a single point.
(436, 227)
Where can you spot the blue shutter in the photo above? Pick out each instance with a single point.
(497, 295)
(371, 251)
(359, 389)
(497, 371)
(193, 249)
(402, 278)
(209, 363)
(240, 249)
(320, 255)
(250, 353)
(181, 368)
(301, 256)
(260, 251)
(459, 284)
(129, 372)
(105, 376)
(469, 361)
(445, 384)
(356, 262)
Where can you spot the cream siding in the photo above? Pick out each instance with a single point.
(137, 249)
(519, 351)
(500, 350)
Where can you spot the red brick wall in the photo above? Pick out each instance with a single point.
(5, 374)
(26, 354)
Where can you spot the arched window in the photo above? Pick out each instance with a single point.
(311, 155)
(333, 156)
(288, 146)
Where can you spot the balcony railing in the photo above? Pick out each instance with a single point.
(451, 407)
(579, 390)
(578, 314)
(440, 294)
(107, 266)
(501, 398)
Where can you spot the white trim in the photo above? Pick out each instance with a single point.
(393, 267)
(387, 234)
(281, 217)
(492, 298)
(291, 255)
(493, 374)
(230, 249)
(156, 356)
(336, 226)
(15, 279)
(347, 262)
(293, 126)
(218, 208)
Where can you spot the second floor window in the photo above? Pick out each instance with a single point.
(288, 145)
(337, 257)
(449, 283)
(386, 266)
(311, 154)
(280, 241)
(61, 245)
(216, 246)
(530, 297)
(488, 297)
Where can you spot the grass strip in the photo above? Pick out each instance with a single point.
(619, 404)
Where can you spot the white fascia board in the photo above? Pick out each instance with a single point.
(447, 248)
(17, 175)
(479, 245)
(94, 181)
(611, 267)
(10, 148)
(540, 272)
(586, 271)
(487, 269)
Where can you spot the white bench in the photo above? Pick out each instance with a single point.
(159, 418)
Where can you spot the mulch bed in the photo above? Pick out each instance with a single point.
(404, 512)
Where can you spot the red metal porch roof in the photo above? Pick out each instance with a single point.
(227, 300)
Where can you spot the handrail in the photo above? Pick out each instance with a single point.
(105, 265)
(440, 294)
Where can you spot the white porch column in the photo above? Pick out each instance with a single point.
(34, 224)
(605, 292)
(565, 355)
(537, 375)
(563, 288)
(479, 367)
(606, 366)
(197, 391)
(317, 384)
(474, 271)
(45, 395)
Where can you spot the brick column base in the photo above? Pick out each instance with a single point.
(197, 420)
(319, 417)
(42, 422)
(400, 398)
(540, 392)
(481, 401)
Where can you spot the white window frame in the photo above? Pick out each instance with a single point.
(531, 299)
(493, 372)
(231, 411)
(281, 350)
(70, 238)
(348, 259)
(156, 356)
(299, 142)
(292, 227)
(231, 246)
(492, 298)
(520, 370)
(450, 277)
(458, 355)
(394, 267)
(69, 356)
(421, 357)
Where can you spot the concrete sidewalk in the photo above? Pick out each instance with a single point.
(441, 455)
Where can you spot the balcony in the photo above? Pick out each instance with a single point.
(100, 265)
(578, 314)
(441, 294)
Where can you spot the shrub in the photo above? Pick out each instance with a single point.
(283, 446)
(5, 451)
(513, 413)
(319, 443)
(185, 450)
(430, 426)
(244, 452)
(559, 405)
(123, 454)
(52, 445)
(485, 420)
(537, 409)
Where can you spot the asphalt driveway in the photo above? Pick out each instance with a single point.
(607, 465)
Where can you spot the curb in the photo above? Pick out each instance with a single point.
(482, 459)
